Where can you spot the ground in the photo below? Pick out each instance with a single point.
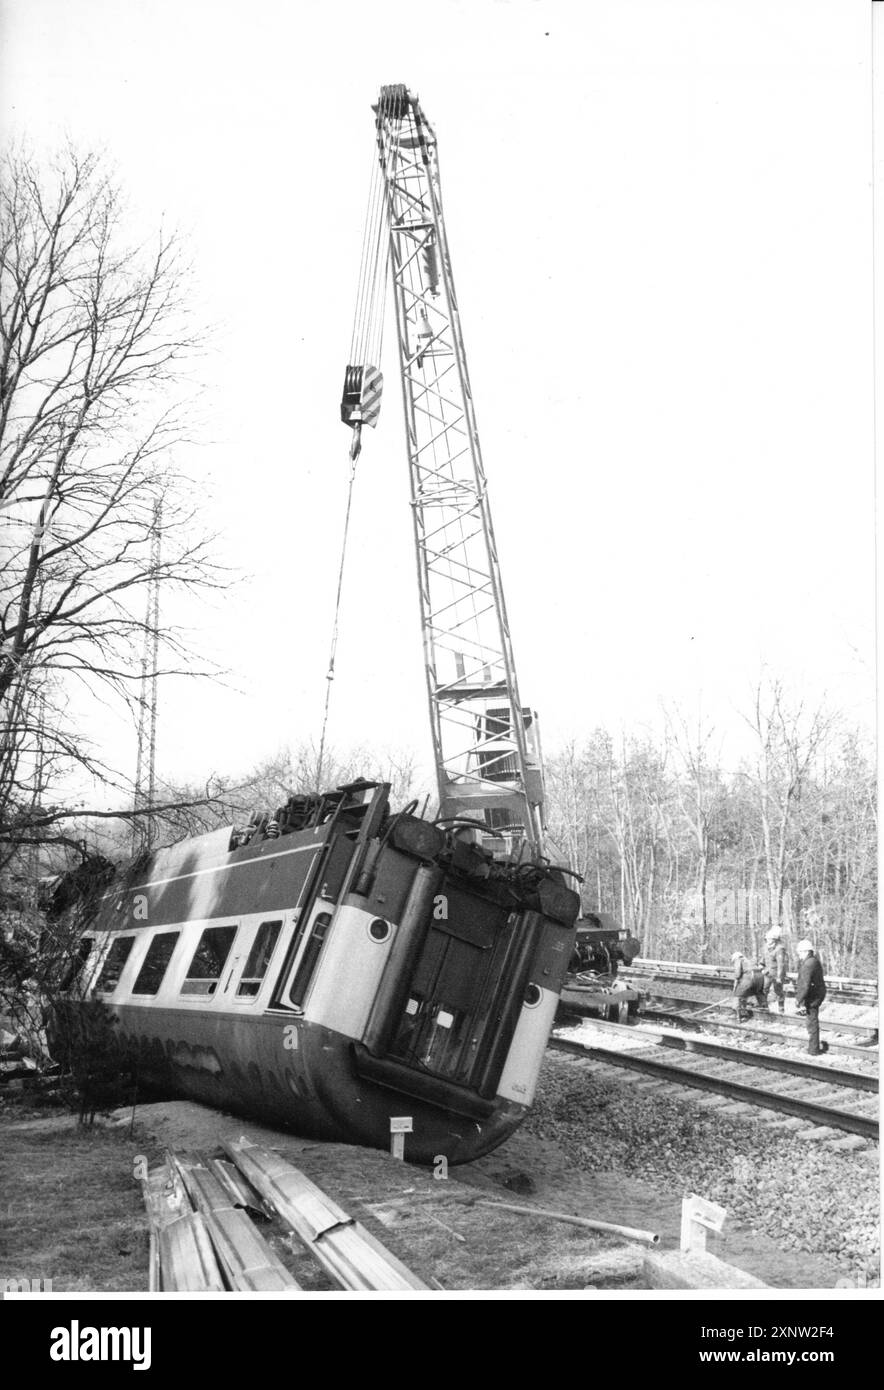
(73, 1211)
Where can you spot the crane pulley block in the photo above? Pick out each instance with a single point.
(361, 401)
(394, 102)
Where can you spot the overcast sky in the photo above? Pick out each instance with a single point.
(660, 220)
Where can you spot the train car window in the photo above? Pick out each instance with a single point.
(113, 967)
(310, 957)
(259, 958)
(155, 963)
(208, 960)
(78, 964)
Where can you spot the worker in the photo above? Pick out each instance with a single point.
(775, 967)
(810, 991)
(630, 947)
(748, 984)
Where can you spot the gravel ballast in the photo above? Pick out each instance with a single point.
(802, 1194)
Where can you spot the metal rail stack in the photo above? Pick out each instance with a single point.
(203, 1237)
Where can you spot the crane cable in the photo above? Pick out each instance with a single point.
(365, 346)
(330, 675)
(368, 319)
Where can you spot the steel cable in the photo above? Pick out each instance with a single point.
(330, 675)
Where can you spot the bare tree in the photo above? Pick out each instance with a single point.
(699, 793)
(834, 855)
(788, 739)
(680, 848)
(295, 769)
(95, 342)
(569, 812)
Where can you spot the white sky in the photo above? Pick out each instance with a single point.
(660, 224)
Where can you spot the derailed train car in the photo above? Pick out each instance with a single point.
(341, 967)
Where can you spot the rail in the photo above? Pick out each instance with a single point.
(776, 1035)
(702, 1047)
(834, 1025)
(854, 988)
(738, 1091)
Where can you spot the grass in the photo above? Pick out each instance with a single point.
(71, 1209)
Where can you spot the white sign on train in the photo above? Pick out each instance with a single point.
(401, 1124)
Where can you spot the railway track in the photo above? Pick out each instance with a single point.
(867, 1029)
(778, 1035)
(841, 989)
(821, 1096)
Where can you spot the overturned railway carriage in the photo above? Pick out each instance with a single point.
(350, 967)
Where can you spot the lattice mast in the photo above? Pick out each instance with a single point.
(145, 769)
(486, 745)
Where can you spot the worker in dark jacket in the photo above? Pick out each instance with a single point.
(775, 967)
(810, 991)
(748, 984)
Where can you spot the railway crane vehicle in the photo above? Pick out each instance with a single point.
(337, 966)
(593, 986)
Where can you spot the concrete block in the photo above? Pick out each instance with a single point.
(696, 1269)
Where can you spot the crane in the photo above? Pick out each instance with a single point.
(486, 743)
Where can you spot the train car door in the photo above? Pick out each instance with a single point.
(452, 993)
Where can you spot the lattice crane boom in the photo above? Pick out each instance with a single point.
(486, 744)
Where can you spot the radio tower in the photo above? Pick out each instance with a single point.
(145, 769)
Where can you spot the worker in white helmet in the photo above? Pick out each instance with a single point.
(748, 984)
(775, 967)
(810, 991)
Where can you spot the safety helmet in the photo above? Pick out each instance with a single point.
(804, 945)
(773, 934)
(736, 955)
